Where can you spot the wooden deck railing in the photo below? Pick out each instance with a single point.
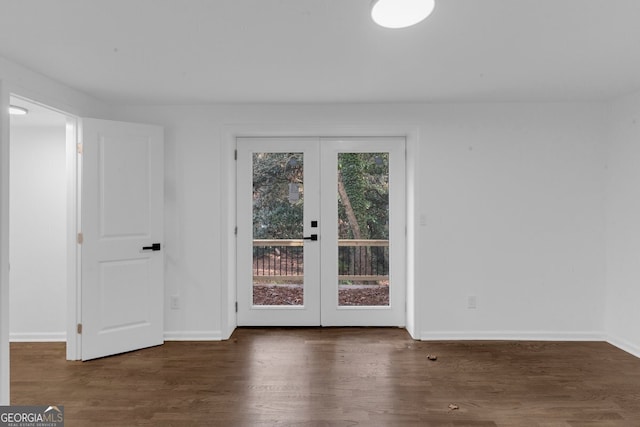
(358, 260)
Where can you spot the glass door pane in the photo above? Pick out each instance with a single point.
(363, 229)
(278, 210)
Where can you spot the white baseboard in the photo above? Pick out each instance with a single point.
(624, 345)
(228, 333)
(511, 336)
(38, 337)
(531, 336)
(193, 336)
(168, 336)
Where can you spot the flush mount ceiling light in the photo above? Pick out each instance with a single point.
(17, 111)
(400, 13)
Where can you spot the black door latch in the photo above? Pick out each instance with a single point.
(153, 247)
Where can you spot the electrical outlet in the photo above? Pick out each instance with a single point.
(175, 302)
(472, 302)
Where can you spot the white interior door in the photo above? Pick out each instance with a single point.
(122, 235)
(354, 273)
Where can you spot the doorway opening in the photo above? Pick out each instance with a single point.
(109, 181)
(321, 231)
(41, 223)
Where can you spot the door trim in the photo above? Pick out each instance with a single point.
(227, 182)
(73, 163)
(74, 285)
(4, 244)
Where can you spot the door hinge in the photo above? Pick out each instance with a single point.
(236, 306)
(80, 238)
(235, 154)
(80, 328)
(79, 146)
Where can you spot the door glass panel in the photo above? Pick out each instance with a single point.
(363, 229)
(278, 202)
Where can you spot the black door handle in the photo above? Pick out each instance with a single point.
(312, 237)
(153, 247)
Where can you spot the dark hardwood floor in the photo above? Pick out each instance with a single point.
(335, 377)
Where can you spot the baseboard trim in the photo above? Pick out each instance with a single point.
(168, 336)
(38, 337)
(624, 345)
(511, 336)
(229, 331)
(193, 336)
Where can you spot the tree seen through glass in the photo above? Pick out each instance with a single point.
(363, 222)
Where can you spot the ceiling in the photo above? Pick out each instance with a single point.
(38, 116)
(273, 51)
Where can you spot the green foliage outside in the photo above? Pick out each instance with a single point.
(365, 177)
(274, 216)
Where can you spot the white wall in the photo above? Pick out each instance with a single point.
(623, 225)
(38, 233)
(513, 195)
(514, 198)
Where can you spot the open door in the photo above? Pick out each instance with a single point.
(122, 263)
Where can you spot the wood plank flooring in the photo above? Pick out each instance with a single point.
(335, 377)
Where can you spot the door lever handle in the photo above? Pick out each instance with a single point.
(153, 247)
(312, 237)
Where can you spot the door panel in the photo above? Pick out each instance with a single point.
(124, 197)
(278, 270)
(118, 278)
(121, 213)
(363, 267)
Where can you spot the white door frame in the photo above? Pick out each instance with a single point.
(74, 254)
(7, 89)
(4, 244)
(73, 186)
(228, 224)
(72, 221)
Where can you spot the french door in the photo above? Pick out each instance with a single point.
(321, 231)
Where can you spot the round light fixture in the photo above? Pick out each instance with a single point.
(400, 13)
(17, 111)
